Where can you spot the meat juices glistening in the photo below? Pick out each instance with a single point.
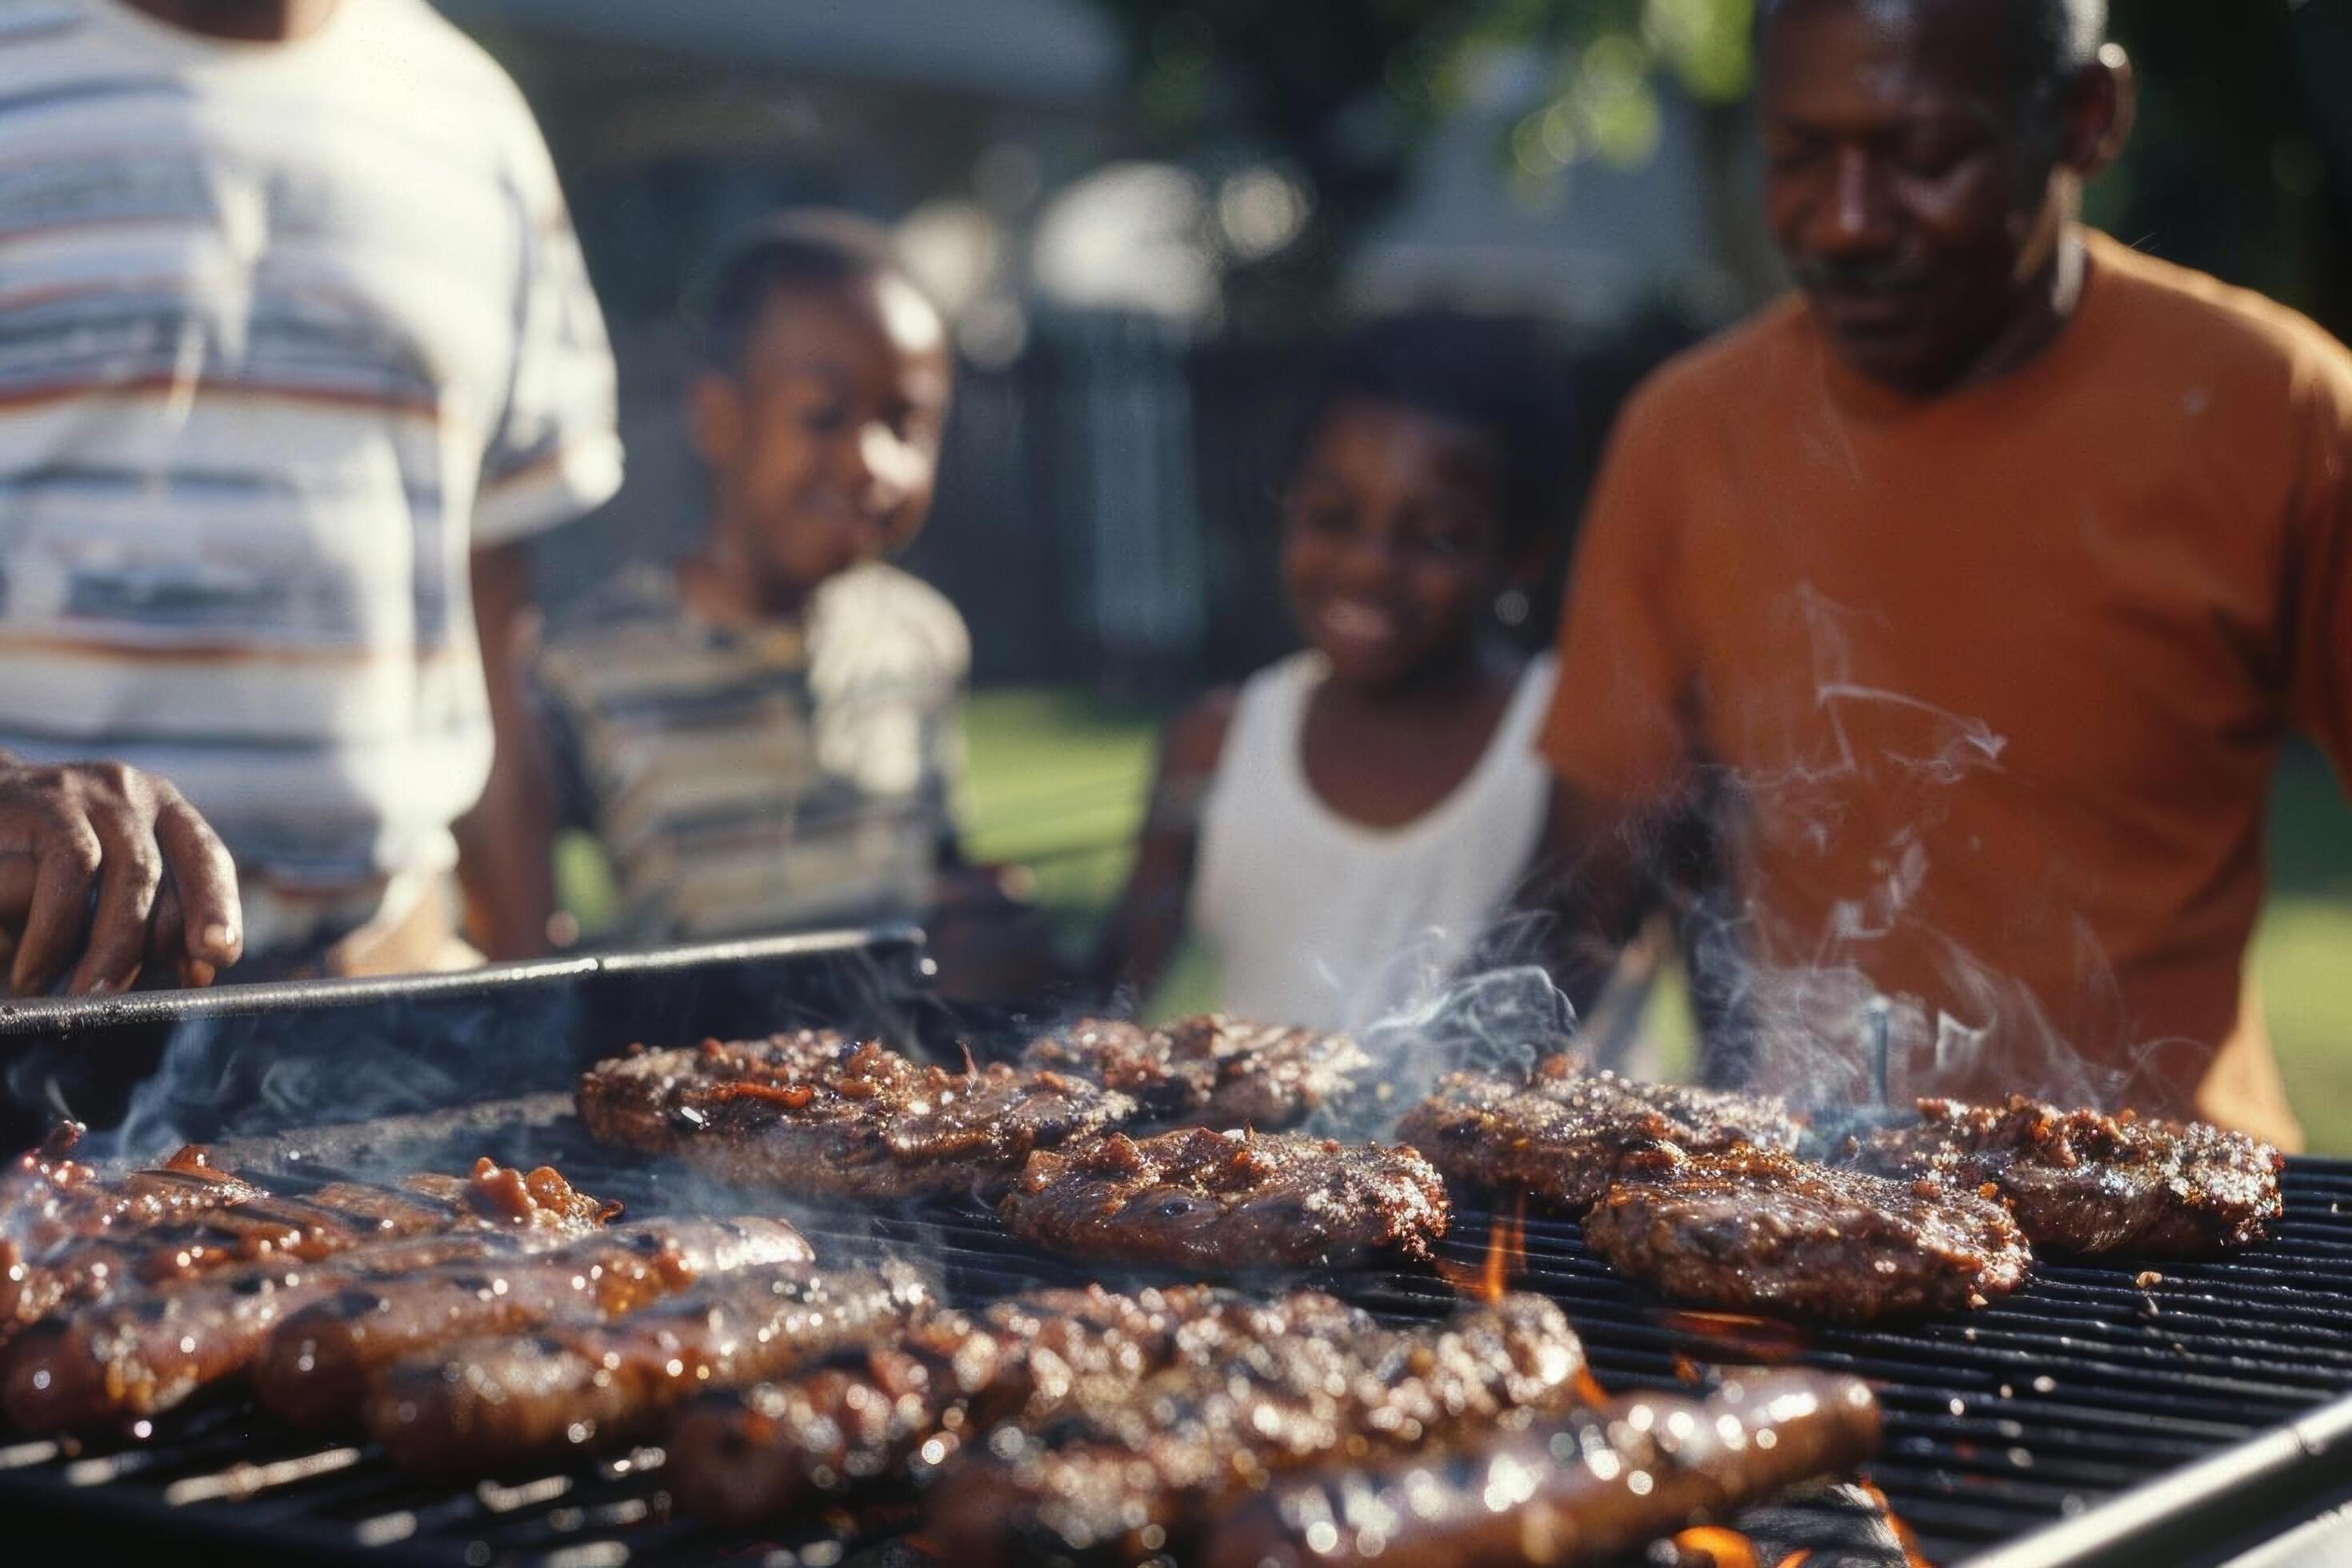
(1761, 1231)
(1141, 1473)
(317, 1367)
(480, 1404)
(1581, 1490)
(2083, 1183)
(1561, 1135)
(1208, 1068)
(1228, 1202)
(899, 1411)
(68, 1235)
(824, 1116)
(143, 1351)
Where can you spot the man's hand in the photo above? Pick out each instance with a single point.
(106, 870)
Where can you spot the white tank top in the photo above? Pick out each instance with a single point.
(1326, 923)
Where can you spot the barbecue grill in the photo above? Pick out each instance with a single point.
(2196, 1419)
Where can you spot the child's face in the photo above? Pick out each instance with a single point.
(1392, 540)
(824, 445)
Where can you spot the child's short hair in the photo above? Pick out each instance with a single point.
(1504, 377)
(800, 247)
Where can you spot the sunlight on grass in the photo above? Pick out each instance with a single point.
(2302, 955)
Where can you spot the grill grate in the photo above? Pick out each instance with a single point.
(1997, 1422)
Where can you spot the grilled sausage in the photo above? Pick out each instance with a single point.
(146, 1349)
(318, 1362)
(64, 1231)
(765, 1452)
(480, 1403)
(1137, 1475)
(1580, 1490)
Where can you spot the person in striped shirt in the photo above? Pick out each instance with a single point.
(300, 351)
(764, 735)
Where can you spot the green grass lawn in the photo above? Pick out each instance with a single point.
(1057, 780)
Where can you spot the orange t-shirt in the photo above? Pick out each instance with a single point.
(1998, 679)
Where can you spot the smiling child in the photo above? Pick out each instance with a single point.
(1343, 826)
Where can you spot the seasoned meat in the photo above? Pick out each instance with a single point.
(250, 1226)
(1560, 1136)
(2084, 1184)
(908, 1406)
(1761, 1230)
(318, 1362)
(649, 1100)
(1133, 1476)
(1210, 1067)
(143, 1350)
(480, 1403)
(1194, 1199)
(829, 1117)
(1583, 1489)
(48, 1198)
(64, 1229)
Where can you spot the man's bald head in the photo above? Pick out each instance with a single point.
(2052, 40)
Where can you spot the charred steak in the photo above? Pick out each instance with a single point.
(1585, 1489)
(1560, 1136)
(1760, 1230)
(2084, 1183)
(1136, 1475)
(831, 1117)
(1221, 1201)
(1210, 1067)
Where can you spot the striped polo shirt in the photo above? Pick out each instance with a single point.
(286, 330)
(744, 779)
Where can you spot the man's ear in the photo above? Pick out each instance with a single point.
(714, 418)
(2102, 102)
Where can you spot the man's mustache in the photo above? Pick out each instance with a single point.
(1873, 278)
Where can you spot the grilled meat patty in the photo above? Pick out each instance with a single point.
(1583, 1489)
(1761, 1230)
(901, 1410)
(2084, 1184)
(478, 1405)
(318, 1362)
(1133, 1476)
(831, 1117)
(1561, 1135)
(1209, 1068)
(143, 1351)
(1197, 1199)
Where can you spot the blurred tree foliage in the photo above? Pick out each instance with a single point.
(2242, 162)
(1339, 96)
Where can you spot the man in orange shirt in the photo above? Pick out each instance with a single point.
(1978, 585)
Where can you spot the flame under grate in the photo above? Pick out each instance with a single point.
(1997, 1422)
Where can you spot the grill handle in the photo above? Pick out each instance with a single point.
(2205, 1512)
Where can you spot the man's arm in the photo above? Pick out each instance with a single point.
(108, 870)
(1593, 879)
(1620, 732)
(506, 858)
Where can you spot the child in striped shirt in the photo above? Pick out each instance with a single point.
(764, 734)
